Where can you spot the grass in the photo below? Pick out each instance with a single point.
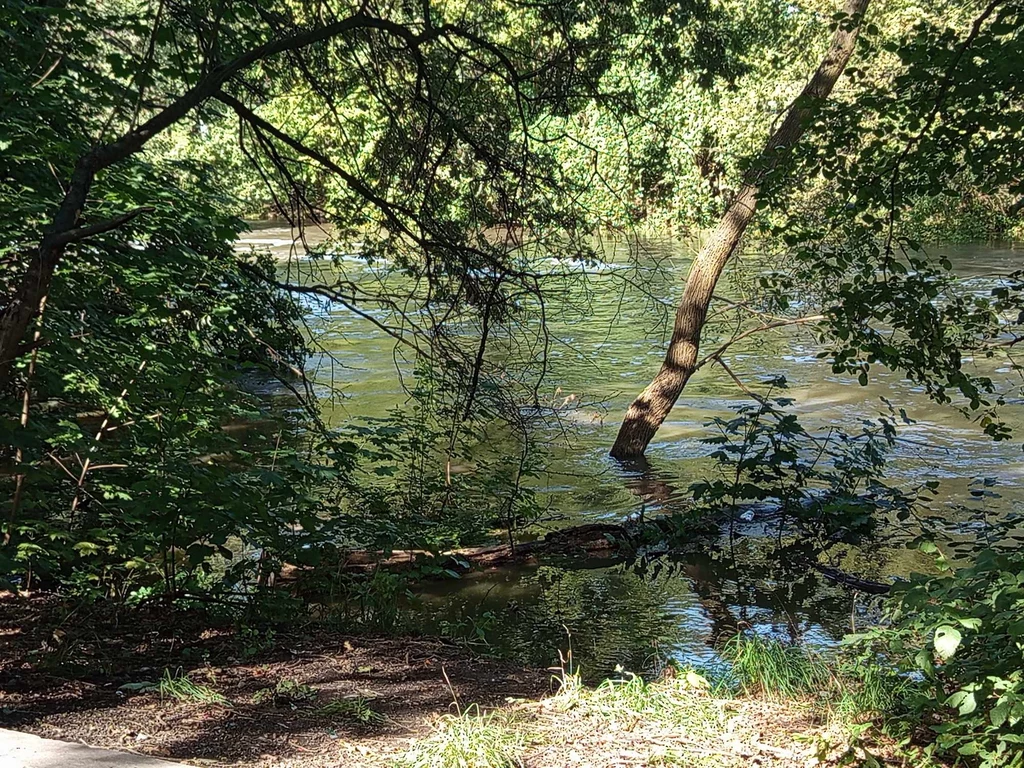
(843, 688)
(677, 720)
(470, 739)
(286, 692)
(768, 668)
(181, 687)
(783, 707)
(871, 690)
(355, 708)
(683, 701)
(778, 706)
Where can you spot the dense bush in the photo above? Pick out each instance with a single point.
(158, 432)
(960, 634)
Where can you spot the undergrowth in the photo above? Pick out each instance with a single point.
(470, 739)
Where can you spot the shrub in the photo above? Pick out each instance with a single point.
(960, 634)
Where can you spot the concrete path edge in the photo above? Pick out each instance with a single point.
(24, 750)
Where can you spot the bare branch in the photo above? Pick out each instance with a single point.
(81, 233)
(332, 295)
(752, 331)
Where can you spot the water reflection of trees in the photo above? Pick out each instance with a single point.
(609, 617)
(755, 583)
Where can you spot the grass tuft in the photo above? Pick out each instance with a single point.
(181, 687)
(871, 690)
(470, 739)
(356, 708)
(286, 692)
(776, 671)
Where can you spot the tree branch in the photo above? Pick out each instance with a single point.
(751, 331)
(332, 295)
(35, 283)
(81, 233)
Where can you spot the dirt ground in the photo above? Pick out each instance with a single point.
(316, 698)
(61, 676)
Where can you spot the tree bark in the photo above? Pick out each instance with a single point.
(649, 410)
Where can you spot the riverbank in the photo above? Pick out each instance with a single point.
(181, 686)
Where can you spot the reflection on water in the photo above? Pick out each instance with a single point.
(611, 341)
(638, 615)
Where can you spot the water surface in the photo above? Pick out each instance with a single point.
(609, 341)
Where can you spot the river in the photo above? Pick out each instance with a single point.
(608, 345)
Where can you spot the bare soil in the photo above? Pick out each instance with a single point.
(62, 670)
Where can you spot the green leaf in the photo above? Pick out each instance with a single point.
(964, 701)
(1000, 712)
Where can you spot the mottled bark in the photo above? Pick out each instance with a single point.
(647, 413)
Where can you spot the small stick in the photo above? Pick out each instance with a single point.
(99, 435)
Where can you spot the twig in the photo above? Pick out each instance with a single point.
(751, 331)
(99, 436)
(47, 73)
(739, 383)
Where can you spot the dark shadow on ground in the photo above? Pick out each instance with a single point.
(60, 677)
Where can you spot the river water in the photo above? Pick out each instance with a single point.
(607, 346)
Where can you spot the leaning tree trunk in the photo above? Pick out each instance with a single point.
(650, 409)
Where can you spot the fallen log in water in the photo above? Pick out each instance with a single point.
(851, 581)
(596, 540)
(593, 541)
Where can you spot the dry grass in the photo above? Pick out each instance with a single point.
(679, 721)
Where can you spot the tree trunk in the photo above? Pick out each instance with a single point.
(649, 410)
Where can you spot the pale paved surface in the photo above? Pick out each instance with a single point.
(23, 750)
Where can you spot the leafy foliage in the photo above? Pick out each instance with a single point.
(908, 140)
(144, 446)
(827, 487)
(449, 480)
(132, 459)
(961, 634)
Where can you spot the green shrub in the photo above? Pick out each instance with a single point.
(961, 636)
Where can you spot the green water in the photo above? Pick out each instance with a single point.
(609, 341)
